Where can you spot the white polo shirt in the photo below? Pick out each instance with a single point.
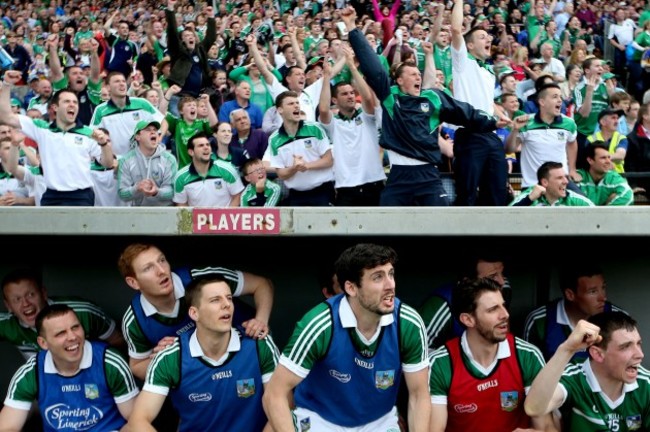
(355, 141)
(216, 189)
(65, 156)
(472, 83)
(308, 98)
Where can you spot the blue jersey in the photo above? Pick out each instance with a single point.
(348, 388)
(231, 393)
(80, 402)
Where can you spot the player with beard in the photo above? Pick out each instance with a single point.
(346, 356)
(478, 381)
(610, 391)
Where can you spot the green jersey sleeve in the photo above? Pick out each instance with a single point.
(119, 377)
(138, 345)
(269, 355)
(440, 376)
(164, 370)
(436, 315)
(309, 340)
(23, 388)
(413, 338)
(531, 360)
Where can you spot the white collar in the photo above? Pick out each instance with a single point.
(86, 360)
(594, 385)
(503, 351)
(234, 345)
(179, 292)
(349, 320)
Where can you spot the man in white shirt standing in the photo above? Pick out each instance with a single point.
(480, 158)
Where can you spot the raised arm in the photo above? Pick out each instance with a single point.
(109, 23)
(324, 111)
(7, 117)
(545, 394)
(437, 23)
(259, 60)
(173, 42)
(368, 100)
(429, 77)
(261, 289)
(297, 48)
(56, 71)
(457, 40)
(585, 108)
(373, 71)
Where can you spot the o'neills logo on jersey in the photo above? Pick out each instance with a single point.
(364, 364)
(466, 408)
(71, 388)
(235, 221)
(221, 375)
(62, 416)
(185, 328)
(487, 385)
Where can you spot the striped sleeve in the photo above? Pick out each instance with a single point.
(530, 359)
(23, 387)
(119, 377)
(309, 341)
(163, 373)
(268, 357)
(413, 337)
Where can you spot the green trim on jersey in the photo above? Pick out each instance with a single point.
(94, 89)
(108, 109)
(218, 169)
(612, 185)
(566, 123)
(585, 410)
(272, 193)
(165, 368)
(93, 319)
(434, 120)
(24, 384)
(571, 199)
(530, 360)
(306, 130)
(436, 314)
(313, 333)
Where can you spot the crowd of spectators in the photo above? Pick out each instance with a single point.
(280, 82)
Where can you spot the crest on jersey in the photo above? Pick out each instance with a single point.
(245, 388)
(136, 116)
(307, 143)
(633, 422)
(91, 391)
(78, 140)
(424, 106)
(218, 184)
(509, 400)
(384, 379)
(305, 424)
(560, 135)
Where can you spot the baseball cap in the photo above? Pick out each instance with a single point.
(315, 61)
(505, 72)
(15, 102)
(609, 111)
(608, 75)
(143, 124)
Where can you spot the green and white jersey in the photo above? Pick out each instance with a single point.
(94, 89)
(38, 103)
(611, 190)
(436, 315)
(272, 194)
(416, 44)
(164, 371)
(182, 131)
(535, 25)
(586, 408)
(310, 142)
(571, 199)
(535, 327)
(642, 40)
(530, 360)
(23, 388)
(138, 344)
(88, 34)
(217, 189)
(121, 122)
(600, 101)
(96, 324)
(65, 155)
(313, 333)
(544, 142)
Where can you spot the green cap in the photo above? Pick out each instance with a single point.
(15, 102)
(505, 72)
(143, 124)
(608, 75)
